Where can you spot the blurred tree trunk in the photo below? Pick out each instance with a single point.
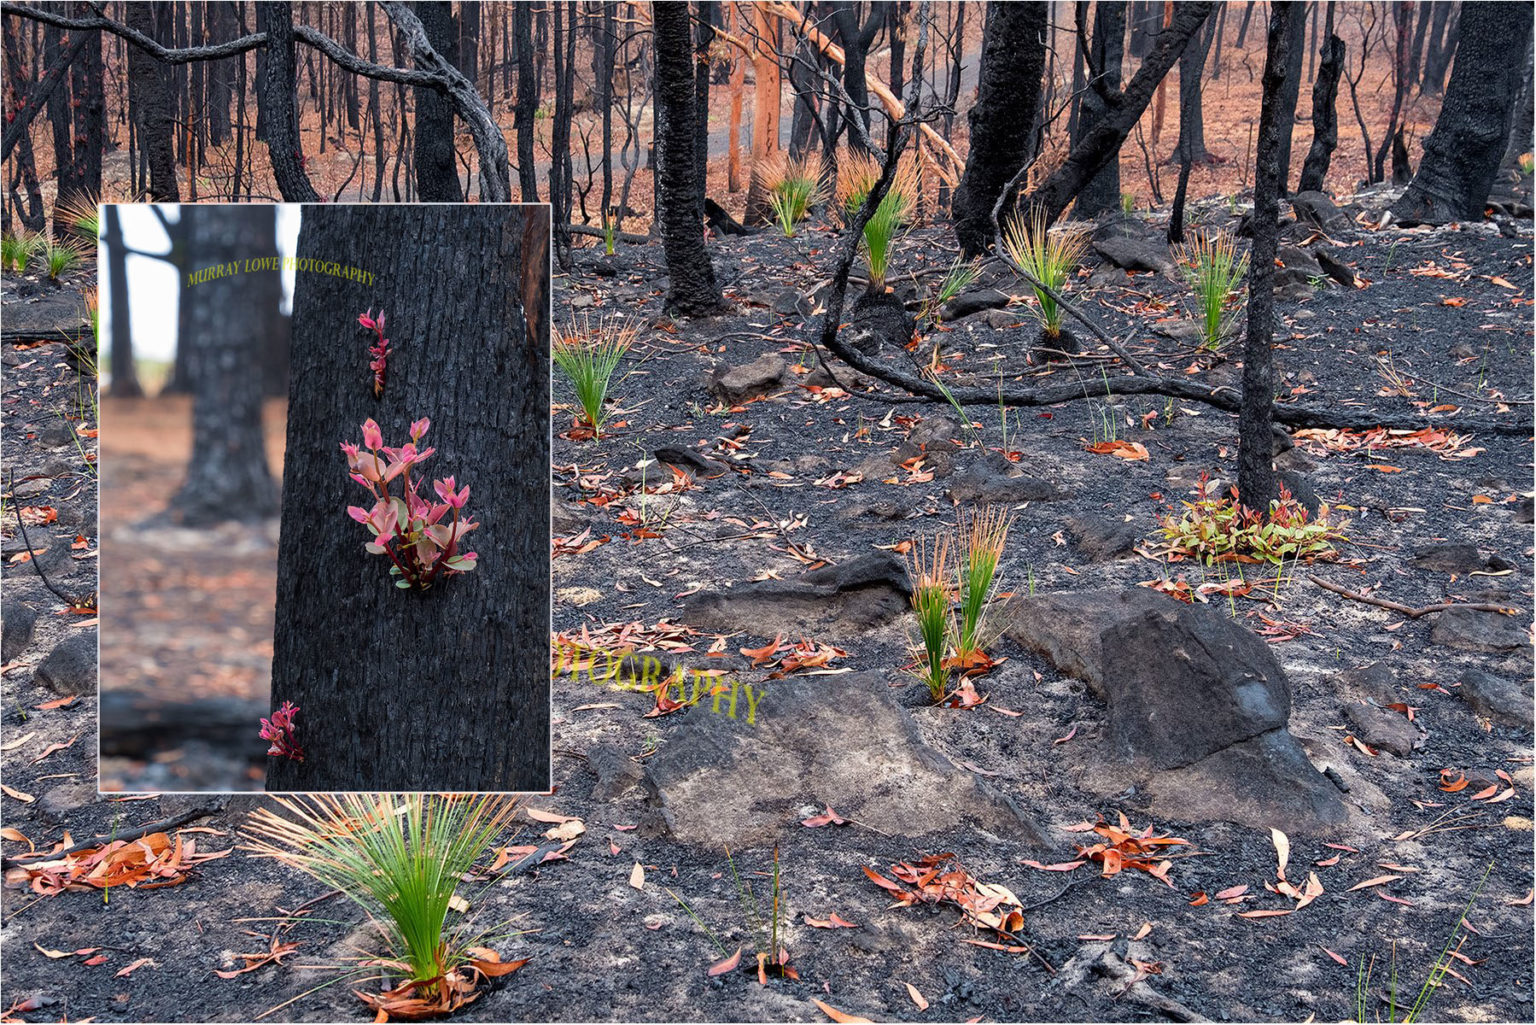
(1012, 62)
(1443, 36)
(1461, 155)
(692, 289)
(229, 318)
(125, 376)
(444, 689)
(766, 90)
(152, 92)
(1325, 116)
(1521, 128)
(1256, 486)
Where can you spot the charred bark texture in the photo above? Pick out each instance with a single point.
(1012, 62)
(1256, 486)
(1325, 117)
(1106, 56)
(154, 107)
(437, 171)
(692, 289)
(1461, 156)
(527, 100)
(279, 104)
(445, 689)
(229, 317)
(1102, 144)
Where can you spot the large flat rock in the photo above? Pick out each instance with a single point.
(841, 741)
(831, 602)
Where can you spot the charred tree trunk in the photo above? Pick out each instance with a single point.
(277, 102)
(1191, 133)
(560, 174)
(229, 316)
(1461, 156)
(704, 38)
(856, 42)
(125, 377)
(1325, 116)
(1521, 128)
(1104, 79)
(1256, 486)
(1012, 62)
(152, 85)
(1402, 16)
(1102, 144)
(469, 42)
(527, 100)
(1290, 92)
(443, 689)
(1444, 36)
(221, 74)
(90, 113)
(437, 171)
(692, 289)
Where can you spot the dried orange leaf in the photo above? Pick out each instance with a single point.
(1374, 881)
(917, 998)
(840, 1016)
(730, 964)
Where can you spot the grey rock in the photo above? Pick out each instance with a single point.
(1495, 697)
(1108, 276)
(1374, 681)
(1263, 783)
(1461, 350)
(1286, 276)
(1002, 320)
(70, 668)
(17, 621)
(1523, 510)
(727, 780)
(935, 430)
(1316, 208)
(1101, 538)
(617, 772)
(791, 302)
(1300, 259)
(1065, 627)
(970, 303)
(1300, 490)
(63, 801)
(31, 488)
(1487, 632)
(566, 519)
(1382, 728)
(1183, 683)
(762, 376)
(986, 481)
(1186, 332)
(1458, 558)
(1136, 254)
(1334, 267)
(884, 509)
(842, 600)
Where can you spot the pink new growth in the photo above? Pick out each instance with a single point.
(280, 730)
(379, 350)
(405, 526)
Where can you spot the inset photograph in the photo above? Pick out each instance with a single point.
(324, 447)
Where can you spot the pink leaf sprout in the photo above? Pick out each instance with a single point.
(421, 538)
(379, 350)
(280, 730)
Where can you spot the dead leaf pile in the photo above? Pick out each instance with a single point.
(940, 879)
(1448, 444)
(147, 863)
(443, 994)
(1124, 848)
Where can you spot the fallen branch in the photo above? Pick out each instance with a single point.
(1409, 610)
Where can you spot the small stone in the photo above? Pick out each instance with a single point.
(1487, 632)
(762, 376)
(581, 302)
(935, 430)
(1101, 538)
(16, 624)
(1135, 254)
(1318, 209)
(1299, 259)
(791, 302)
(1451, 558)
(70, 667)
(967, 304)
(1383, 729)
(1502, 700)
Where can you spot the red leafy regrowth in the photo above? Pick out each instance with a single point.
(939, 879)
(407, 527)
(379, 350)
(281, 731)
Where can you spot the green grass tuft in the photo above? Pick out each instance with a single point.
(1213, 269)
(588, 356)
(1049, 257)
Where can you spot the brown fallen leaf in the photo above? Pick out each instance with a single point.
(730, 964)
(637, 876)
(1141, 934)
(832, 921)
(1230, 892)
(143, 962)
(1199, 899)
(826, 818)
(1263, 914)
(841, 1016)
(917, 998)
(24, 798)
(51, 748)
(1374, 881)
(1341, 960)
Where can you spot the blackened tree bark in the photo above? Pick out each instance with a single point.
(1242, 29)
(1521, 127)
(703, 38)
(527, 100)
(277, 102)
(692, 289)
(228, 318)
(1461, 156)
(560, 171)
(469, 41)
(152, 92)
(1290, 86)
(1402, 18)
(437, 171)
(445, 689)
(856, 41)
(125, 377)
(90, 103)
(1012, 62)
(1191, 109)
(1256, 486)
(1101, 145)
(1443, 35)
(1105, 58)
(221, 74)
(1325, 115)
